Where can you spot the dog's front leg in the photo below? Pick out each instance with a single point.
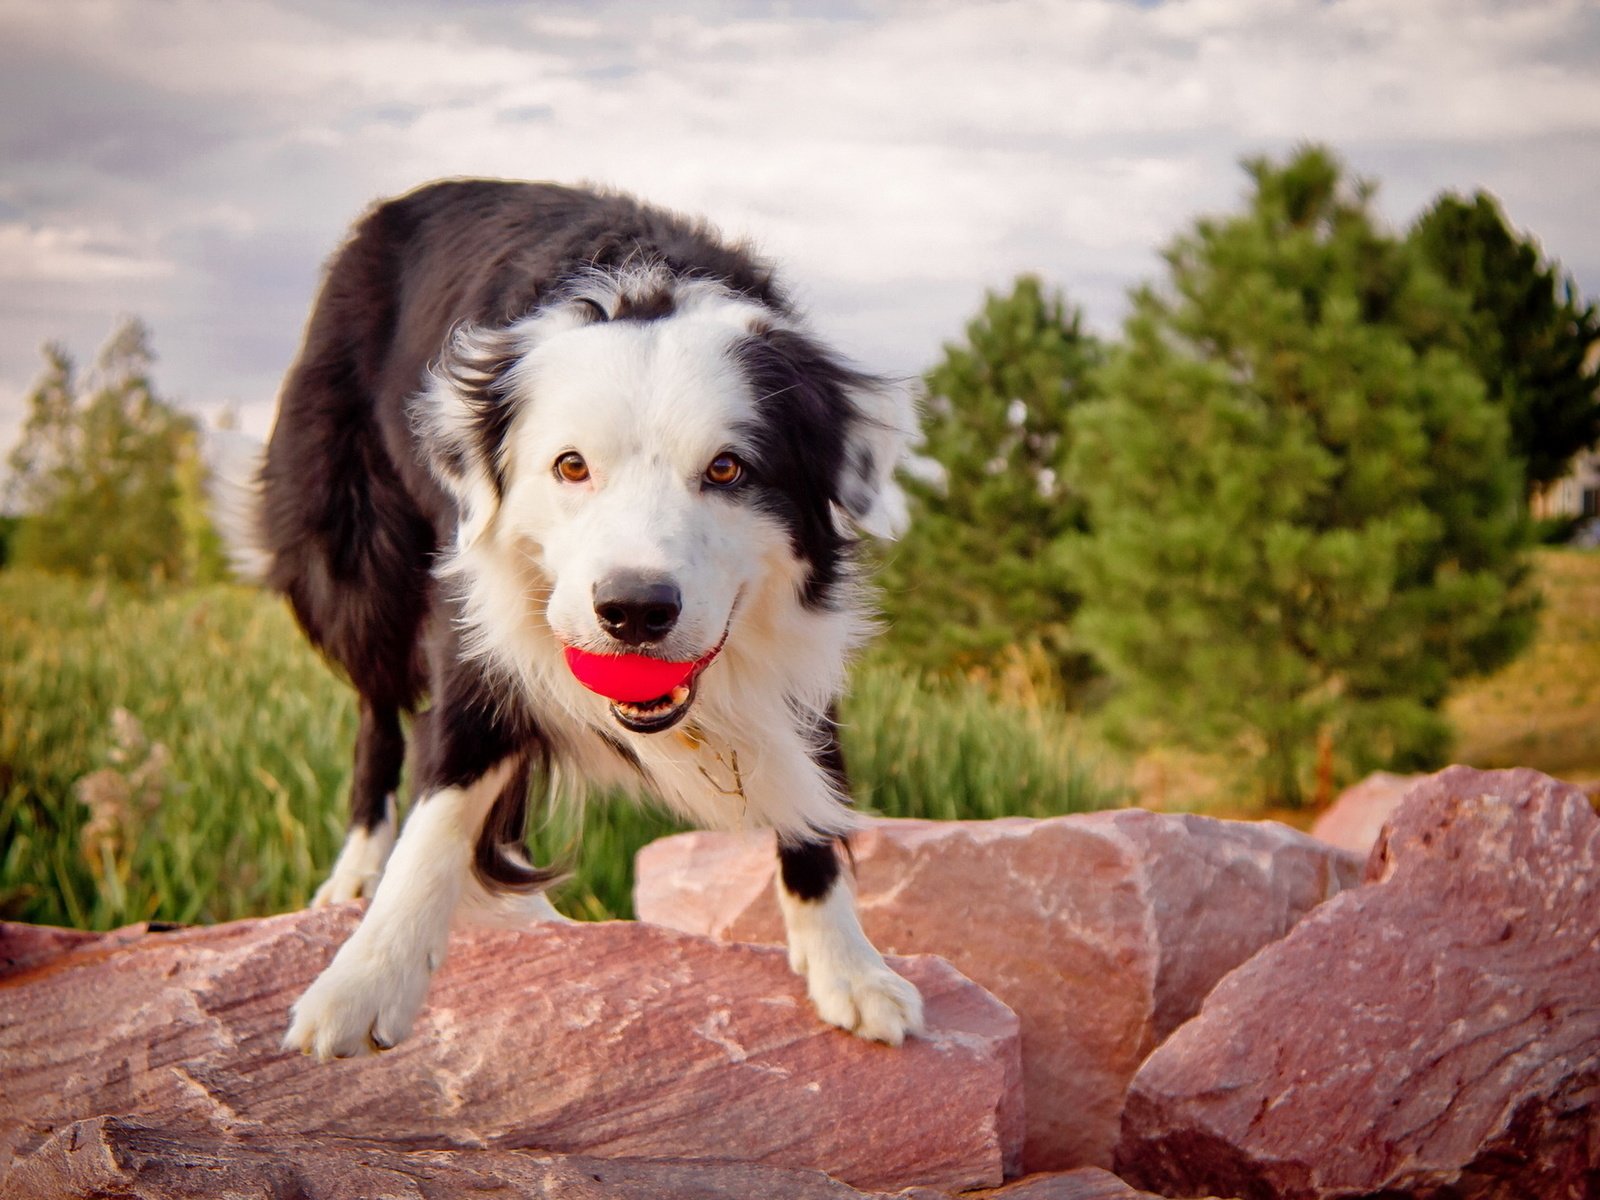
(847, 979)
(370, 994)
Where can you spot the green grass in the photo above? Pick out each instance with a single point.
(1543, 710)
(246, 812)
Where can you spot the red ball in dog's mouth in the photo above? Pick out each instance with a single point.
(647, 694)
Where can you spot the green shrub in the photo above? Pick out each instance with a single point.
(1556, 531)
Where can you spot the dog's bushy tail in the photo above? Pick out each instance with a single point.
(233, 473)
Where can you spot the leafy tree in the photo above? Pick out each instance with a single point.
(1303, 519)
(104, 468)
(975, 575)
(1528, 333)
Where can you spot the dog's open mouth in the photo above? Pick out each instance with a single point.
(647, 694)
(652, 716)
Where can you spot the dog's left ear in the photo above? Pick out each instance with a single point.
(872, 418)
(462, 418)
(877, 443)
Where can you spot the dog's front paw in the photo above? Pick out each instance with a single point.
(364, 1003)
(866, 998)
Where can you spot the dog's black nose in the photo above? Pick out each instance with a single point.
(636, 608)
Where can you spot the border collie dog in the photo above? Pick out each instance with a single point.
(534, 435)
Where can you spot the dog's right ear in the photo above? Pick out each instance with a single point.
(462, 419)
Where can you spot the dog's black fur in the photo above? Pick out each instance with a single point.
(352, 514)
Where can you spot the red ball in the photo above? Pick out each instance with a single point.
(629, 678)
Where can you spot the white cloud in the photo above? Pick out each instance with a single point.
(73, 255)
(204, 156)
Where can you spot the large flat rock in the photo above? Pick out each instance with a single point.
(1434, 1033)
(619, 1040)
(1102, 931)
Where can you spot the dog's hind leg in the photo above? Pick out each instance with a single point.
(380, 752)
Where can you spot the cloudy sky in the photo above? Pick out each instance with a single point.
(195, 161)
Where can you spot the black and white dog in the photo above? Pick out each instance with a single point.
(530, 423)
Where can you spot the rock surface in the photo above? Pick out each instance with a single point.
(1435, 1033)
(619, 1041)
(1102, 931)
(1354, 820)
(24, 945)
(112, 1156)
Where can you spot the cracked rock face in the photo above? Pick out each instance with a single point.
(1434, 1033)
(1102, 931)
(619, 1040)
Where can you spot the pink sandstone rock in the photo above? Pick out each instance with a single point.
(1434, 1033)
(112, 1156)
(1102, 931)
(615, 1040)
(1354, 820)
(23, 945)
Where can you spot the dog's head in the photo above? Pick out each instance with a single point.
(650, 456)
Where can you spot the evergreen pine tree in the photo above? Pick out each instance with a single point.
(1528, 333)
(1303, 518)
(976, 574)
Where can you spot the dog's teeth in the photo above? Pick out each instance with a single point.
(658, 711)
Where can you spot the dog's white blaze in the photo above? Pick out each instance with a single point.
(847, 979)
(370, 994)
(360, 863)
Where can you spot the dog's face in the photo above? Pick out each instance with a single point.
(638, 490)
(655, 475)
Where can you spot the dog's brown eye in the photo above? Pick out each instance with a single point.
(571, 468)
(725, 471)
